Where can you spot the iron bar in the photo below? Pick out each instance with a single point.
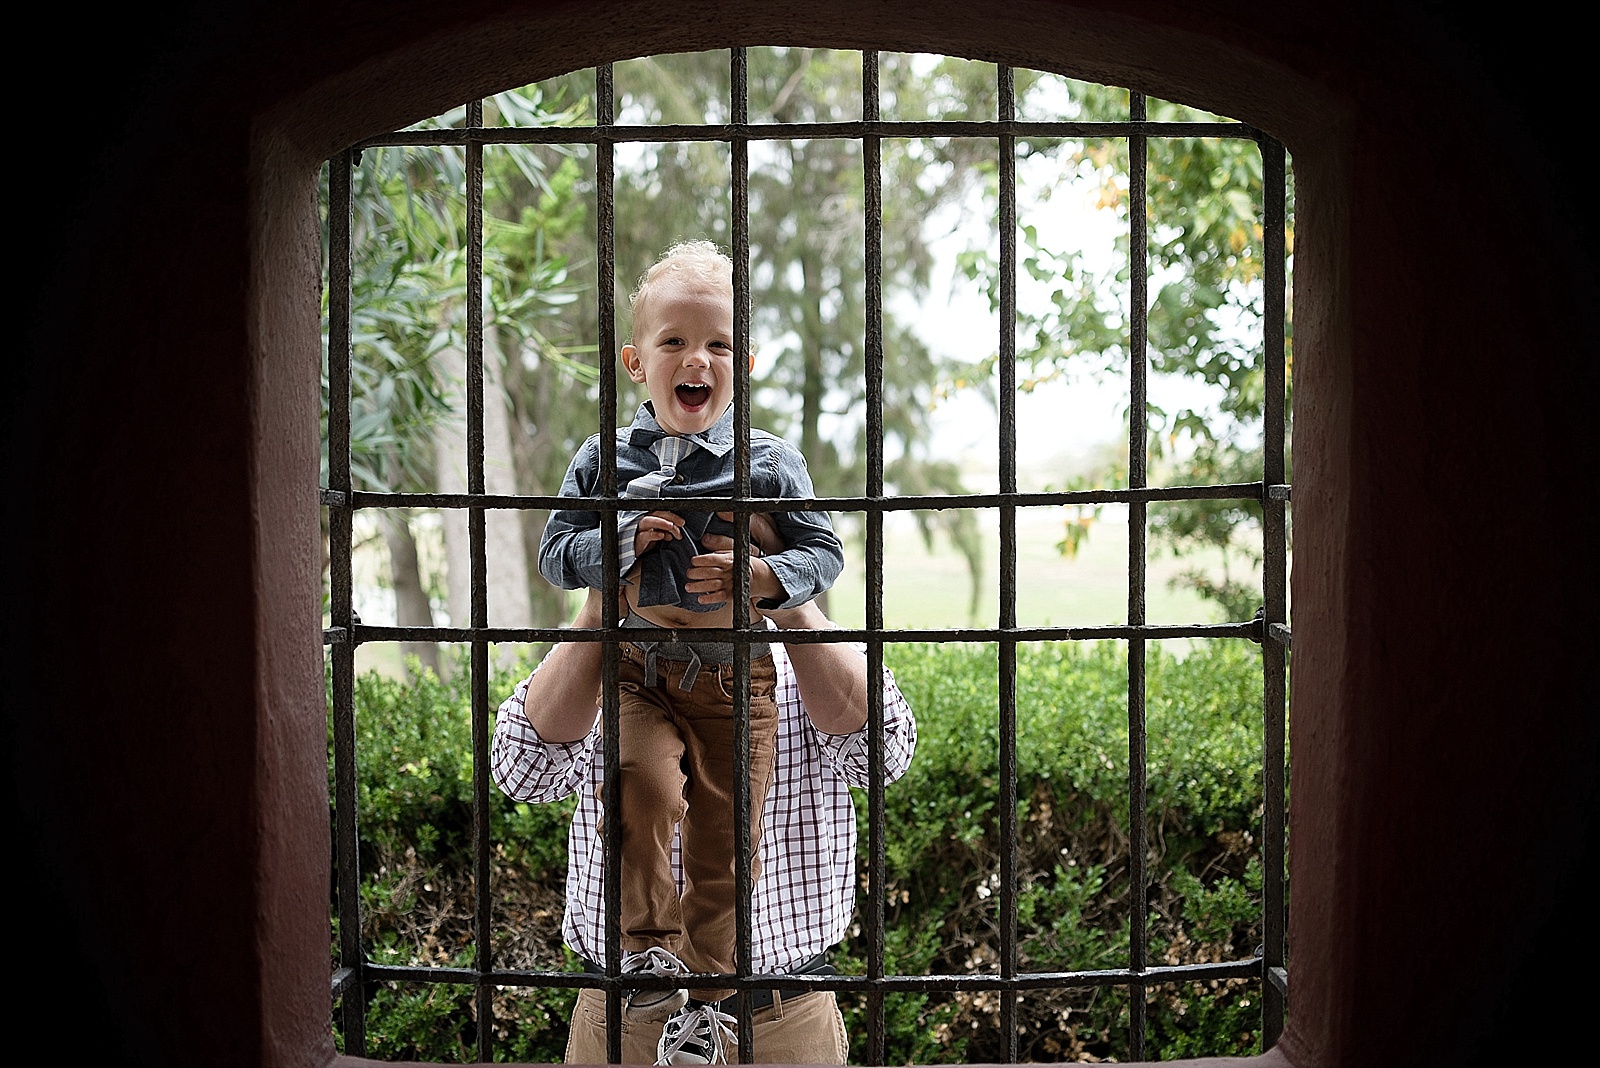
(611, 660)
(1138, 475)
(477, 520)
(1234, 491)
(1155, 975)
(1116, 631)
(609, 134)
(353, 1005)
(1007, 680)
(739, 163)
(1274, 654)
(877, 847)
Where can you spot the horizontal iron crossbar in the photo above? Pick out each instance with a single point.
(809, 131)
(1156, 976)
(1233, 491)
(1251, 631)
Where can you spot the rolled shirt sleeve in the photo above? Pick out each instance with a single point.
(528, 768)
(848, 753)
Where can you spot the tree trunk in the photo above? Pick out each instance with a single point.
(411, 607)
(811, 393)
(533, 395)
(505, 560)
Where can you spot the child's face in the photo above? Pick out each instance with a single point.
(683, 353)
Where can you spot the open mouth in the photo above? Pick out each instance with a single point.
(693, 395)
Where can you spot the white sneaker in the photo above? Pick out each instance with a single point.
(698, 1034)
(651, 1006)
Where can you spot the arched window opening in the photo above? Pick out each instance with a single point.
(969, 288)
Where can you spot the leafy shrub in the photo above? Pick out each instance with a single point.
(1203, 804)
(414, 797)
(1203, 808)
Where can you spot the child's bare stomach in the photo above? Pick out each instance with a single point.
(675, 618)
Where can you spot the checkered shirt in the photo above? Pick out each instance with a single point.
(805, 894)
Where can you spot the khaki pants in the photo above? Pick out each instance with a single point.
(677, 763)
(797, 1029)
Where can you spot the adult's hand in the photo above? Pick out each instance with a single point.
(832, 675)
(711, 573)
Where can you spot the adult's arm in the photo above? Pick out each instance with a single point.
(832, 676)
(563, 695)
(544, 734)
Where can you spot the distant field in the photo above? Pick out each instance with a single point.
(923, 589)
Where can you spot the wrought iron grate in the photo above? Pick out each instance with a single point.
(356, 974)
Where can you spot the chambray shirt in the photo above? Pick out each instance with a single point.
(570, 554)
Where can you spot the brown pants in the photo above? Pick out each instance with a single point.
(797, 1029)
(677, 767)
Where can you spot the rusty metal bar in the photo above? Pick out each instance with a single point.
(1138, 474)
(483, 955)
(1233, 491)
(1154, 976)
(1117, 632)
(744, 960)
(1007, 681)
(611, 661)
(1274, 654)
(877, 863)
(608, 134)
(353, 1002)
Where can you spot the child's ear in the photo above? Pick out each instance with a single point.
(752, 361)
(632, 364)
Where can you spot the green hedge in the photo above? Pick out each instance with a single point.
(1203, 807)
(414, 792)
(1203, 802)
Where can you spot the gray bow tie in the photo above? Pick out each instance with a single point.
(669, 450)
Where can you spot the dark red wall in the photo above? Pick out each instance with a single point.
(165, 705)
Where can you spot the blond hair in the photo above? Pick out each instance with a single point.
(699, 260)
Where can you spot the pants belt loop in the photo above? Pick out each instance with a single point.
(690, 673)
(649, 650)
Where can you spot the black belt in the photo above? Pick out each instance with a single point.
(762, 997)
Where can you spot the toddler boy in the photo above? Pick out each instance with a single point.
(677, 754)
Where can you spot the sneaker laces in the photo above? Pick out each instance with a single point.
(652, 961)
(699, 1034)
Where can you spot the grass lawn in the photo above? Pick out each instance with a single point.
(932, 589)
